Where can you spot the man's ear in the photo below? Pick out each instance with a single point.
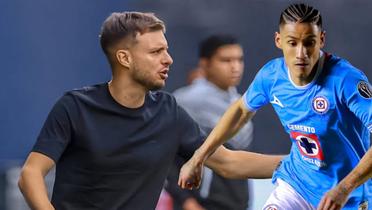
(278, 41)
(123, 57)
(322, 39)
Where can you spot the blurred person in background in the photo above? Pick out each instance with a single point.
(195, 74)
(220, 69)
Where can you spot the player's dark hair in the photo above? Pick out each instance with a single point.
(301, 13)
(119, 26)
(209, 46)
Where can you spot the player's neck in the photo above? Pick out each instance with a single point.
(126, 94)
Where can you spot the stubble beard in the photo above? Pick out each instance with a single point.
(144, 78)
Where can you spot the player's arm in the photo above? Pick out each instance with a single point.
(242, 164)
(230, 123)
(31, 181)
(337, 197)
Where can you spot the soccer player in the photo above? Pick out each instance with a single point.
(324, 104)
(113, 143)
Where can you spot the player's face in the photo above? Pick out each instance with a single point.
(225, 67)
(301, 44)
(150, 60)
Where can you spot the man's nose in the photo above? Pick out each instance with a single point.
(301, 52)
(167, 59)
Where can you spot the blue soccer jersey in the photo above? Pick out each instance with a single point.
(329, 123)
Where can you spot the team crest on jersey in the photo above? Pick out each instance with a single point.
(320, 104)
(308, 145)
(364, 89)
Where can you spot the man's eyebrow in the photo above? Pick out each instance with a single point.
(293, 37)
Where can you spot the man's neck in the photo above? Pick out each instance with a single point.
(127, 94)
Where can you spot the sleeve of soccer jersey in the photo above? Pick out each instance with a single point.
(357, 94)
(255, 97)
(56, 132)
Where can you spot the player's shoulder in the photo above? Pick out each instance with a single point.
(275, 62)
(342, 75)
(276, 65)
(341, 68)
(271, 71)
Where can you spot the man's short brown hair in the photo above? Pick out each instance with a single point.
(126, 25)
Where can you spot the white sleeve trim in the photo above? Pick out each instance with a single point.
(246, 103)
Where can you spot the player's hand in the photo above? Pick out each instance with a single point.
(334, 199)
(190, 174)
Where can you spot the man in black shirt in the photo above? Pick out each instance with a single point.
(113, 143)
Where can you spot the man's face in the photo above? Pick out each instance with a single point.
(225, 67)
(150, 60)
(301, 44)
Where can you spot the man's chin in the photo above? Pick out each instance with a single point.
(154, 87)
(235, 82)
(300, 68)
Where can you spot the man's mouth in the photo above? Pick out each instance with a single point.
(164, 74)
(302, 65)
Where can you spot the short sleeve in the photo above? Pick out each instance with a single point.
(55, 134)
(255, 97)
(190, 134)
(356, 93)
